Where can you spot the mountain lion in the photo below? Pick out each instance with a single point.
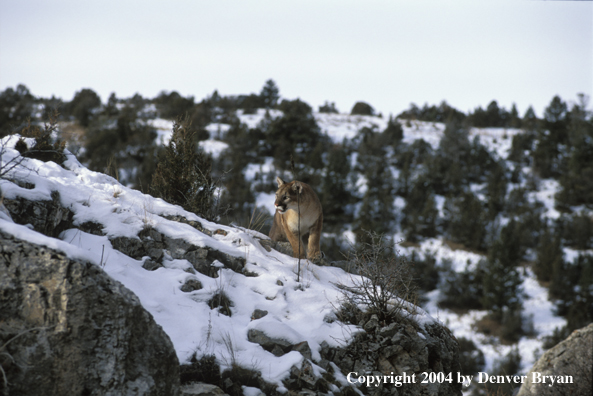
(290, 198)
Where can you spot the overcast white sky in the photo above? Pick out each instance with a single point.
(388, 53)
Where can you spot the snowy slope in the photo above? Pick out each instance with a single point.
(498, 141)
(298, 311)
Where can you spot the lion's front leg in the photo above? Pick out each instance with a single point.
(294, 242)
(313, 249)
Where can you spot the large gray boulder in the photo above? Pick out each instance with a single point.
(569, 361)
(66, 328)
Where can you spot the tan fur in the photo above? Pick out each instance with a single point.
(286, 219)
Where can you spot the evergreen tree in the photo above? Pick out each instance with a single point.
(461, 290)
(546, 158)
(328, 108)
(82, 107)
(362, 108)
(376, 212)
(514, 119)
(295, 135)
(549, 256)
(172, 105)
(242, 151)
(467, 221)
(393, 132)
(335, 195)
(447, 169)
(270, 94)
(501, 282)
(497, 189)
(420, 212)
(530, 120)
(577, 178)
(183, 175)
(555, 120)
(16, 106)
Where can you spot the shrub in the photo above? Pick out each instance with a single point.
(205, 369)
(184, 173)
(221, 301)
(172, 105)
(44, 148)
(461, 290)
(470, 356)
(385, 285)
(362, 108)
(467, 221)
(328, 108)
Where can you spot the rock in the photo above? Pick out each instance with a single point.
(132, 247)
(178, 248)
(278, 346)
(150, 265)
(267, 342)
(401, 346)
(571, 357)
(74, 330)
(372, 324)
(200, 389)
(191, 285)
(303, 348)
(46, 217)
(258, 314)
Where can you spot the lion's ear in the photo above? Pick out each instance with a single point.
(279, 181)
(297, 187)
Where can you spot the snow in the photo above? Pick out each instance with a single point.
(297, 311)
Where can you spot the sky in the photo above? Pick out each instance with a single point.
(387, 53)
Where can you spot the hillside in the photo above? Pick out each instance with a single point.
(492, 210)
(210, 287)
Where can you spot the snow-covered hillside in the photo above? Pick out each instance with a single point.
(297, 310)
(498, 141)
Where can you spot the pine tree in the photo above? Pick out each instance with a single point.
(577, 178)
(270, 94)
(501, 282)
(83, 105)
(420, 212)
(514, 119)
(183, 175)
(467, 221)
(335, 195)
(497, 189)
(295, 134)
(549, 256)
(555, 119)
(393, 133)
(376, 212)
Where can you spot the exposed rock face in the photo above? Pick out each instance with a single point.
(398, 348)
(154, 245)
(69, 329)
(46, 217)
(572, 357)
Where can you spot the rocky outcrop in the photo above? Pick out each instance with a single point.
(155, 245)
(47, 217)
(567, 368)
(66, 328)
(400, 347)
